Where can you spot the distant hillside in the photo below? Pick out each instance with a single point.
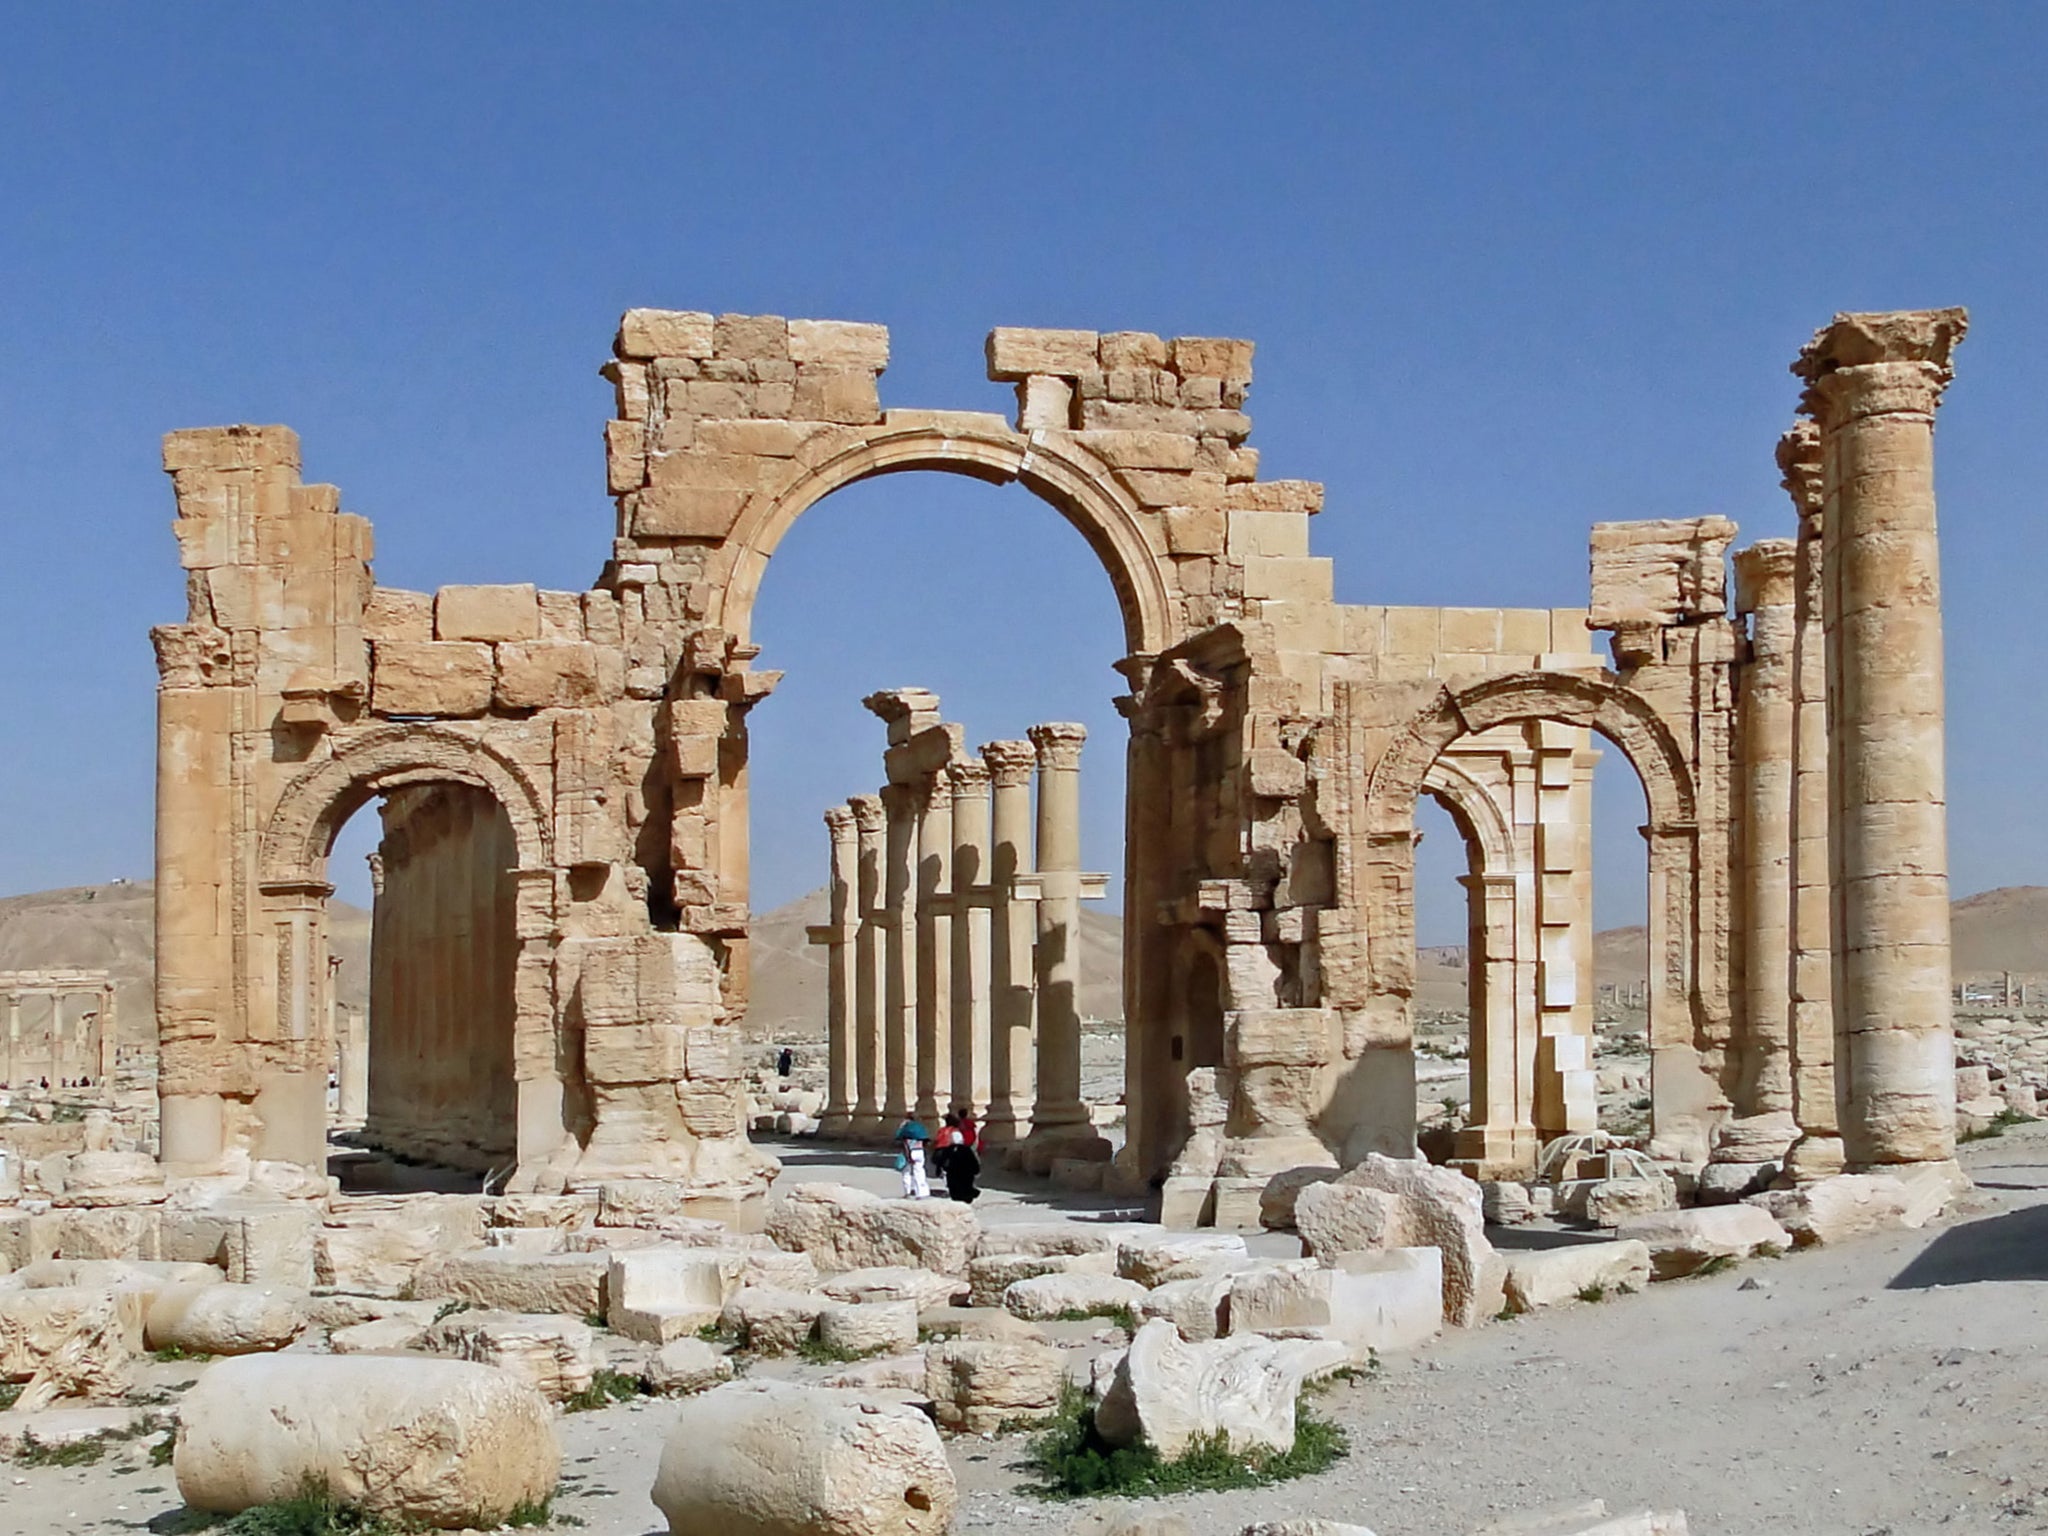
(110, 927)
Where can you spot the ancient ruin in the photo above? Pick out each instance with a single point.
(562, 910)
(56, 1027)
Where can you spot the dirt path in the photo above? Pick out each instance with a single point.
(1885, 1388)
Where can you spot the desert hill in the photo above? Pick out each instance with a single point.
(110, 927)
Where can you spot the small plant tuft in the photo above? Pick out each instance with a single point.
(10, 1393)
(171, 1354)
(83, 1452)
(606, 1388)
(449, 1308)
(1073, 1461)
(1719, 1264)
(1119, 1313)
(1594, 1292)
(1997, 1125)
(815, 1351)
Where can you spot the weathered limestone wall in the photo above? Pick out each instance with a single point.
(444, 947)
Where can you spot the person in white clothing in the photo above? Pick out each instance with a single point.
(912, 1140)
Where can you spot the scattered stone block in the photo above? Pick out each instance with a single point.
(447, 1443)
(1610, 1202)
(688, 1365)
(1167, 1391)
(1421, 1205)
(868, 1327)
(225, 1319)
(989, 1275)
(1546, 1277)
(843, 1228)
(378, 1336)
(505, 1280)
(920, 1287)
(1199, 1308)
(770, 1321)
(1365, 1302)
(1849, 1205)
(1154, 1261)
(1726, 1183)
(775, 1459)
(1045, 1297)
(658, 1294)
(1681, 1242)
(556, 1356)
(978, 1385)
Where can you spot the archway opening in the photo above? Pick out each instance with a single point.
(984, 596)
(1446, 1011)
(422, 951)
(1621, 949)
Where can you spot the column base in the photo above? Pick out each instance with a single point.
(835, 1125)
(1081, 1142)
(1496, 1151)
(1814, 1157)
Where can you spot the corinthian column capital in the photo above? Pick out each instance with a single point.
(1058, 743)
(1799, 467)
(1009, 762)
(1880, 364)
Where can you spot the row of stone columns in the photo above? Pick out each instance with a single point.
(953, 934)
(1846, 931)
(73, 1042)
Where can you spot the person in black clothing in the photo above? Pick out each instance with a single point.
(958, 1162)
(784, 1062)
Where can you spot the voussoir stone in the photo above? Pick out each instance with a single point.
(775, 1459)
(446, 1443)
(844, 1228)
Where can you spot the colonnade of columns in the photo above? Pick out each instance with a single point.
(953, 936)
(1845, 916)
(75, 1038)
(443, 948)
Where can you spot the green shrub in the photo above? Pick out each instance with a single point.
(1998, 1125)
(606, 1388)
(1119, 1313)
(72, 1453)
(170, 1354)
(1072, 1460)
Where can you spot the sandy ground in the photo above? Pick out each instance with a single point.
(1884, 1388)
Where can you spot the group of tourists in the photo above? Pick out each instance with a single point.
(955, 1156)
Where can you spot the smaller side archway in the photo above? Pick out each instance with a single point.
(1685, 1098)
(462, 949)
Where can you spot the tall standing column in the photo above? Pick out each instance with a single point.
(934, 946)
(1875, 382)
(841, 925)
(10, 1042)
(867, 969)
(1766, 586)
(899, 961)
(1013, 1072)
(1818, 1152)
(1058, 968)
(968, 780)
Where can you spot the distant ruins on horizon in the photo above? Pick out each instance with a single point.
(561, 918)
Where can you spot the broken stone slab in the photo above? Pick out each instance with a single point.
(868, 1327)
(374, 1243)
(378, 1336)
(989, 1275)
(975, 1323)
(1506, 1203)
(344, 1311)
(35, 1323)
(1419, 1205)
(903, 1373)
(1045, 1297)
(1166, 1391)
(1834, 1210)
(554, 1355)
(771, 1321)
(1547, 1277)
(143, 1275)
(843, 1228)
(504, 1280)
(446, 1443)
(225, 1319)
(1047, 1238)
(688, 1365)
(1199, 1308)
(53, 1427)
(978, 1385)
(111, 1178)
(921, 1287)
(1282, 1191)
(1364, 1301)
(777, 1459)
(659, 1294)
(1681, 1242)
(1156, 1260)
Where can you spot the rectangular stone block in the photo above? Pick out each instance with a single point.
(435, 677)
(846, 395)
(1131, 349)
(1661, 572)
(1277, 496)
(1217, 357)
(558, 675)
(1469, 631)
(1017, 352)
(686, 512)
(763, 338)
(1280, 534)
(634, 1053)
(1304, 580)
(625, 455)
(649, 333)
(1141, 450)
(1191, 531)
(393, 614)
(839, 343)
(509, 612)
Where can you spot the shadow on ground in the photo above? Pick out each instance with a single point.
(2009, 1247)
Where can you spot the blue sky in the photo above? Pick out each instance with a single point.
(1511, 269)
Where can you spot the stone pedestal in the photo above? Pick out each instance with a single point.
(1874, 383)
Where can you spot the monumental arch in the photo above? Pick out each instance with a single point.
(563, 779)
